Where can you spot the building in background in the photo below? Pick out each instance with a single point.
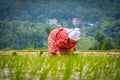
(76, 21)
(53, 22)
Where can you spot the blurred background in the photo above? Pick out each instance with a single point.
(26, 24)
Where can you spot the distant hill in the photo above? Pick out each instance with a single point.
(22, 22)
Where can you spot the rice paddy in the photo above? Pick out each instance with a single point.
(67, 67)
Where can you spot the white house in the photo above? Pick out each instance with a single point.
(52, 21)
(76, 21)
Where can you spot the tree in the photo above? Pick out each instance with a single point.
(88, 44)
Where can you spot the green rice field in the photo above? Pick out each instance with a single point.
(67, 67)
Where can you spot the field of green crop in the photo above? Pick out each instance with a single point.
(67, 67)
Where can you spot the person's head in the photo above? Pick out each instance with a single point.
(74, 34)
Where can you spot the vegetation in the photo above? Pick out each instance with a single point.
(23, 30)
(69, 67)
(22, 22)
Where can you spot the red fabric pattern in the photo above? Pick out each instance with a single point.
(58, 41)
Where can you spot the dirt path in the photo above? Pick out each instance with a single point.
(99, 53)
(45, 53)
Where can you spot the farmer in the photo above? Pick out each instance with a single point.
(63, 41)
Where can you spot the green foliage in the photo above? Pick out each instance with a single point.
(105, 43)
(42, 51)
(22, 22)
(29, 49)
(14, 53)
(69, 67)
(87, 44)
(48, 29)
(38, 11)
(103, 46)
(35, 45)
(110, 32)
(20, 35)
(5, 49)
(99, 36)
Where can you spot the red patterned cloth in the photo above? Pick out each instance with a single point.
(58, 41)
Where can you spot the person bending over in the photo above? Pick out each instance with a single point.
(63, 41)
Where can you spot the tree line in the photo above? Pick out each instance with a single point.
(22, 22)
